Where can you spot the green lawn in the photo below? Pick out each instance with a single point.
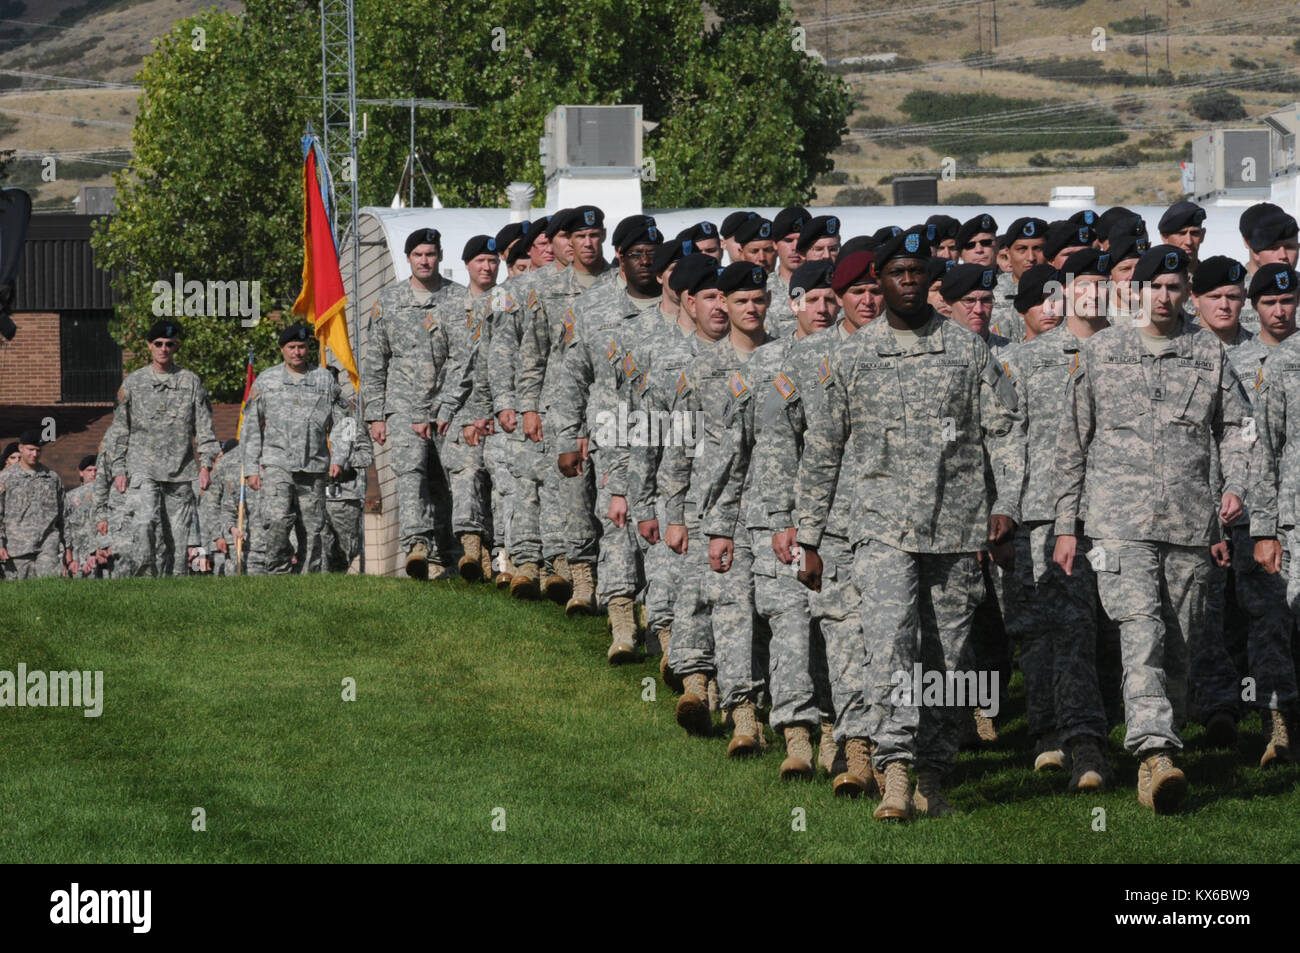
(226, 694)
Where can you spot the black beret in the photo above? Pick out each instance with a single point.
(1216, 272)
(882, 235)
(9, 452)
(811, 275)
(479, 245)
(510, 233)
(1124, 247)
(980, 224)
(852, 268)
(630, 222)
(1277, 278)
(532, 231)
(517, 250)
(755, 229)
(1107, 219)
(1179, 216)
(295, 332)
(585, 216)
(1066, 234)
(790, 219)
(558, 222)
(742, 276)
(1032, 289)
(1163, 259)
(961, 280)
(87, 461)
(939, 228)
(734, 221)
(698, 232)
(1087, 261)
(640, 235)
(1134, 225)
(1085, 216)
(1026, 228)
(30, 438)
(669, 252)
(1246, 223)
(229, 445)
(820, 227)
(1271, 228)
(858, 243)
(164, 329)
(909, 244)
(936, 268)
(423, 236)
(693, 268)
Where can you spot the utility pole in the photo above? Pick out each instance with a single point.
(1168, 62)
(995, 24)
(1146, 52)
(979, 28)
(826, 29)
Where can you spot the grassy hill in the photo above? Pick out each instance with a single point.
(226, 695)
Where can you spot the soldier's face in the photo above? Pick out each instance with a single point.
(762, 252)
(973, 311)
(946, 249)
(1065, 253)
(710, 313)
(1163, 298)
(709, 246)
(586, 244)
(787, 251)
(540, 252)
(1043, 317)
(979, 249)
(295, 355)
(862, 304)
(824, 249)
(665, 288)
(1277, 314)
(482, 270)
(815, 310)
(732, 247)
(747, 310)
(903, 282)
(1188, 239)
(519, 267)
(1023, 254)
(638, 264)
(936, 299)
(1283, 252)
(1220, 308)
(88, 475)
(29, 454)
(1086, 297)
(163, 351)
(13, 458)
(424, 261)
(562, 247)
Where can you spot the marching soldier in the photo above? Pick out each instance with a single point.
(31, 514)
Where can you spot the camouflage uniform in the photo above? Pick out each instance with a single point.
(1006, 321)
(79, 524)
(345, 498)
(921, 417)
(159, 417)
(1134, 463)
(780, 316)
(219, 512)
(1052, 615)
(115, 510)
(31, 521)
(407, 352)
(467, 325)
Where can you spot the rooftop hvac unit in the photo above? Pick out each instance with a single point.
(1231, 163)
(592, 140)
(1283, 127)
(916, 190)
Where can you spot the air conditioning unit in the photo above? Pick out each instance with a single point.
(592, 140)
(1231, 163)
(916, 190)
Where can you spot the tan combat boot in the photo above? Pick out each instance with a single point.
(984, 727)
(1049, 755)
(896, 801)
(1278, 750)
(857, 778)
(830, 756)
(583, 601)
(693, 706)
(928, 798)
(524, 583)
(798, 761)
(746, 735)
(417, 562)
(558, 585)
(470, 566)
(1161, 786)
(715, 700)
(485, 563)
(1089, 766)
(671, 678)
(622, 628)
(505, 571)
(438, 571)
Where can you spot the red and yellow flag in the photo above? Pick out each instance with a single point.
(322, 301)
(248, 387)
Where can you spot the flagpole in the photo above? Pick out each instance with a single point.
(239, 435)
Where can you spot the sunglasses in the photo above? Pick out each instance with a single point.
(162, 343)
(982, 243)
(647, 255)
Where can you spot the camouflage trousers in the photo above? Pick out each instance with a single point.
(836, 613)
(917, 610)
(423, 495)
(1054, 618)
(1155, 593)
(285, 498)
(797, 676)
(663, 574)
(713, 623)
(619, 569)
(568, 509)
(162, 515)
(495, 457)
(1269, 603)
(43, 563)
(471, 488)
(347, 533)
(526, 461)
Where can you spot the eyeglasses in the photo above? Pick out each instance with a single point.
(982, 243)
(647, 255)
(162, 343)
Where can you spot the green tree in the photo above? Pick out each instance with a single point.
(1216, 105)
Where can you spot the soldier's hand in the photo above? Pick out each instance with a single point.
(1268, 553)
(335, 470)
(722, 552)
(1002, 529)
(618, 511)
(583, 448)
(677, 538)
(1003, 555)
(783, 544)
(533, 426)
(649, 530)
(485, 427)
(424, 431)
(119, 482)
(811, 573)
(1221, 554)
(205, 478)
(1230, 509)
(1063, 553)
(507, 421)
(571, 463)
(442, 426)
(190, 553)
(104, 554)
(4, 555)
(102, 527)
(470, 435)
(222, 547)
(378, 431)
(254, 481)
